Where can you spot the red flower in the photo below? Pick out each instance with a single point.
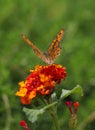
(24, 124)
(69, 104)
(76, 105)
(42, 80)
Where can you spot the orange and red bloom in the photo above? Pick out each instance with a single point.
(42, 80)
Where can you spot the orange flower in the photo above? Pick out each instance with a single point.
(42, 80)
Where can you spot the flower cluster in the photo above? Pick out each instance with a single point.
(42, 80)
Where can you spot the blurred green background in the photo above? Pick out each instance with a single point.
(40, 21)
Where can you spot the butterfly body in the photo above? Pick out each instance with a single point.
(53, 51)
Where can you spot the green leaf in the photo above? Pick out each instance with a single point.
(65, 93)
(53, 96)
(33, 114)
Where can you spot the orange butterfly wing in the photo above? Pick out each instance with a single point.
(54, 49)
(36, 50)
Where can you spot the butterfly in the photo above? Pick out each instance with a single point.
(53, 51)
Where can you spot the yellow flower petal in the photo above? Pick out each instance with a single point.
(32, 95)
(22, 83)
(22, 92)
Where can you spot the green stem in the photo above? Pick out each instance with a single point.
(52, 109)
(8, 112)
(53, 114)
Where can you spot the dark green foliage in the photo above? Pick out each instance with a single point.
(40, 21)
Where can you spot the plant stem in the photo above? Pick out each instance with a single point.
(8, 112)
(54, 117)
(52, 110)
(73, 122)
